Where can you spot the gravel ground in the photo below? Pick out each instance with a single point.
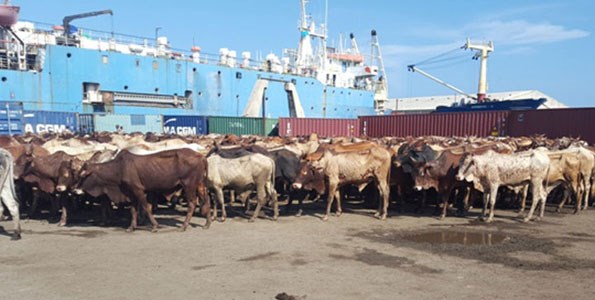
(354, 256)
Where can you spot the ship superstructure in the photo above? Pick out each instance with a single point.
(64, 68)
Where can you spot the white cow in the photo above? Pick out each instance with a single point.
(491, 170)
(7, 191)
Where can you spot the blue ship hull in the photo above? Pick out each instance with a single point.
(522, 104)
(216, 90)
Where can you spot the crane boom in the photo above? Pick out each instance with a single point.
(413, 68)
(66, 21)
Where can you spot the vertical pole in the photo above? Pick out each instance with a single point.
(264, 115)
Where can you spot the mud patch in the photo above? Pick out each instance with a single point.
(299, 262)
(458, 237)
(374, 258)
(12, 261)
(199, 268)
(285, 296)
(504, 253)
(76, 233)
(258, 256)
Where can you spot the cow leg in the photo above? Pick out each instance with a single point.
(523, 200)
(221, 200)
(261, 200)
(338, 210)
(586, 193)
(105, 209)
(445, 197)
(384, 192)
(493, 196)
(536, 198)
(543, 199)
(13, 207)
(63, 204)
(205, 205)
(149, 211)
(192, 200)
(486, 196)
(34, 204)
(272, 193)
(133, 217)
(332, 188)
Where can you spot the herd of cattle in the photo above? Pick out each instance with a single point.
(142, 170)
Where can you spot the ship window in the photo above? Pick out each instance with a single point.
(178, 68)
(239, 75)
(155, 65)
(219, 95)
(218, 72)
(200, 93)
(156, 90)
(125, 87)
(137, 120)
(311, 107)
(105, 59)
(3, 79)
(194, 70)
(68, 54)
(137, 63)
(294, 81)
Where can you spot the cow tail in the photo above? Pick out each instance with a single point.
(273, 177)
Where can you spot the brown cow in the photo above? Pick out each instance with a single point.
(358, 164)
(130, 177)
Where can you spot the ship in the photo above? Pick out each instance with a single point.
(65, 68)
(480, 101)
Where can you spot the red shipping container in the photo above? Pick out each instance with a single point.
(322, 127)
(554, 123)
(441, 124)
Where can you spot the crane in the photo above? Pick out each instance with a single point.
(66, 21)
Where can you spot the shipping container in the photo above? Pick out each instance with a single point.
(241, 125)
(49, 121)
(86, 123)
(442, 124)
(554, 123)
(185, 125)
(128, 123)
(11, 118)
(322, 127)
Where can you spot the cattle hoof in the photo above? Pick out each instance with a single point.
(130, 229)
(376, 214)
(221, 220)
(338, 214)
(526, 220)
(251, 220)
(325, 218)
(155, 229)
(16, 236)
(61, 224)
(299, 213)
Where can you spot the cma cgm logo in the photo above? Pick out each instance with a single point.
(43, 128)
(179, 130)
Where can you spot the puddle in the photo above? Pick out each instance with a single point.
(466, 238)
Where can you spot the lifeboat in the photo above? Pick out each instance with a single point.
(8, 15)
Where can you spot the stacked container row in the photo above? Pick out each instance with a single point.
(322, 127)
(442, 124)
(554, 123)
(11, 118)
(242, 126)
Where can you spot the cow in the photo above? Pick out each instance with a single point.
(129, 177)
(8, 193)
(242, 171)
(51, 174)
(491, 170)
(333, 166)
(440, 175)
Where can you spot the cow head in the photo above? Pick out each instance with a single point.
(310, 177)
(467, 169)
(68, 174)
(426, 176)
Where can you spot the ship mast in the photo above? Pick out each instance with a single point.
(305, 61)
(381, 95)
(482, 54)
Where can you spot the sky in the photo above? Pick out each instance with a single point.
(545, 45)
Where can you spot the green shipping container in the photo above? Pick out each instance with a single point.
(241, 125)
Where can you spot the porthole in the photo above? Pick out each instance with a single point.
(4, 79)
(125, 87)
(156, 90)
(200, 93)
(68, 54)
(194, 70)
